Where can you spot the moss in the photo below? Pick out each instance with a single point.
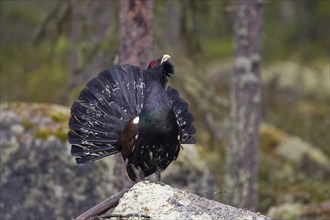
(59, 117)
(270, 137)
(216, 49)
(62, 134)
(43, 133)
(27, 124)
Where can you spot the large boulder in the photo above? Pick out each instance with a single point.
(39, 178)
(317, 211)
(165, 202)
(292, 172)
(293, 150)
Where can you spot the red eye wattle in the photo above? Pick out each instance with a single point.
(152, 64)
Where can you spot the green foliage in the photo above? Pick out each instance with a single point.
(296, 29)
(216, 49)
(46, 83)
(75, 92)
(63, 46)
(29, 72)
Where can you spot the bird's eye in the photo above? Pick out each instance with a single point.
(152, 64)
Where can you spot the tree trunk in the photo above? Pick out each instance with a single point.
(136, 37)
(242, 153)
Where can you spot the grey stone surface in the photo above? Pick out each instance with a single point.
(39, 178)
(164, 202)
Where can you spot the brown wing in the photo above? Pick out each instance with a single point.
(127, 137)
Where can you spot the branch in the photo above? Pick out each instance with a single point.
(57, 14)
(103, 206)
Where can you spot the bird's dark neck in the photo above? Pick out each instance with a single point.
(156, 97)
(157, 113)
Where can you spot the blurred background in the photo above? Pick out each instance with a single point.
(51, 49)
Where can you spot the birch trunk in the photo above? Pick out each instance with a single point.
(242, 154)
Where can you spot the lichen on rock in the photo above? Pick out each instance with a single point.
(159, 201)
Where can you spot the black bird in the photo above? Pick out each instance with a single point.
(131, 110)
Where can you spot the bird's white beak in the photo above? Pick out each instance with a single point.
(165, 58)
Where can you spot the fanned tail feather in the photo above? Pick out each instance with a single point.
(183, 116)
(102, 111)
(88, 153)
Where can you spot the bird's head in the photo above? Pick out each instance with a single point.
(161, 66)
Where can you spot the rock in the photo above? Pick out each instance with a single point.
(285, 211)
(303, 154)
(300, 211)
(294, 76)
(39, 177)
(164, 202)
(292, 171)
(293, 149)
(190, 172)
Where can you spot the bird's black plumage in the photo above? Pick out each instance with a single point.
(131, 110)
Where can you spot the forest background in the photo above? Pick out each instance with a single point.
(50, 49)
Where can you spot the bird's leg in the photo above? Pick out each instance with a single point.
(141, 176)
(158, 175)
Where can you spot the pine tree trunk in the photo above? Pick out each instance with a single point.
(242, 154)
(136, 37)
